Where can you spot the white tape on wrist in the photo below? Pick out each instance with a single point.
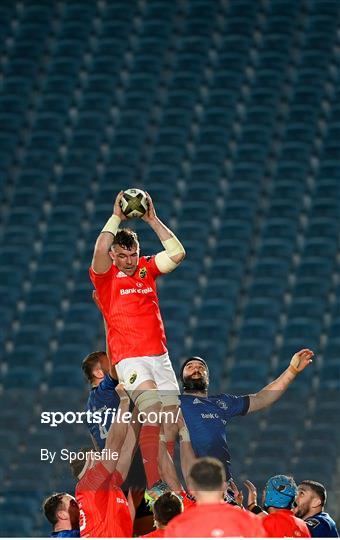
(184, 434)
(112, 225)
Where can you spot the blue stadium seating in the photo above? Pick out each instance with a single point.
(227, 113)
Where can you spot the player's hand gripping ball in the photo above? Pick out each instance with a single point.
(134, 203)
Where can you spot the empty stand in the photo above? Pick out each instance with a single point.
(228, 114)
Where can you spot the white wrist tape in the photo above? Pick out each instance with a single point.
(184, 434)
(112, 225)
(163, 259)
(294, 364)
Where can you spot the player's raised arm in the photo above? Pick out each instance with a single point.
(187, 454)
(252, 499)
(174, 252)
(166, 467)
(102, 261)
(273, 391)
(118, 429)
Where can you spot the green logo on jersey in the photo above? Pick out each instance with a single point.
(133, 377)
(143, 272)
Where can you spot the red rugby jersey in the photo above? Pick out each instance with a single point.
(284, 523)
(187, 501)
(158, 533)
(103, 508)
(131, 310)
(215, 520)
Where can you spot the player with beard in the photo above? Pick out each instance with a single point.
(278, 518)
(310, 505)
(207, 417)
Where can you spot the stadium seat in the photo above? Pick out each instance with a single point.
(227, 113)
(11, 526)
(23, 377)
(253, 349)
(27, 354)
(65, 376)
(310, 308)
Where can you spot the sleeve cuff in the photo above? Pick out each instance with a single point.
(246, 405)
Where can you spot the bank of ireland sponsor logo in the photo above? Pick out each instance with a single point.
(147, 290)
(210, 416)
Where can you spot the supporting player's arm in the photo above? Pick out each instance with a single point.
(166, 466)
(273, 391)
(118, 430)
(102, 261)
(94, 442)
(130, 445)
(187, 454)
(174, 252)
(252, 505)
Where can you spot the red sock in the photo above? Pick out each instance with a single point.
(170, 446)
(149, 445)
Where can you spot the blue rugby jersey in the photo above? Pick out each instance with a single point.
(322, 526)
(102, 397)
(72, 533)
(207, 418)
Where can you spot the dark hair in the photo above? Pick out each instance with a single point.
(52, 505)
(192, 359)
(318, 488)
(90, 363)
(207, 474)
(166, 507)
(77, 464)
(125, 238)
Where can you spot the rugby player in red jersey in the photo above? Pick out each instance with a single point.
(126, 289)
(103, 508)
(277, 516)
(164, 510)
(212, 516)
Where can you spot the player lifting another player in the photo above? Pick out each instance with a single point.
(127, 295)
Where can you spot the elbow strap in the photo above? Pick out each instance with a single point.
(164, 263)
(173, 247)
(163, 259)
